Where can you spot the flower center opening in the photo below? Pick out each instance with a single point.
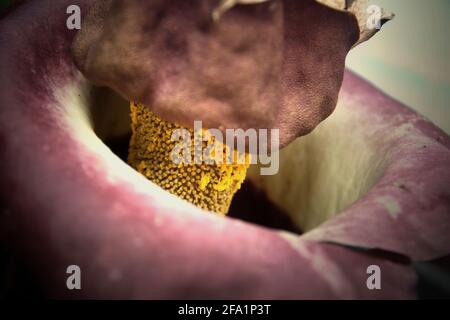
(319, 174)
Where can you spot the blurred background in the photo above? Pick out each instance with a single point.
(410, 58)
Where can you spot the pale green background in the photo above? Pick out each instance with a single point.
(409, 58)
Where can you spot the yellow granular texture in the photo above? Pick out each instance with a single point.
(208, 186)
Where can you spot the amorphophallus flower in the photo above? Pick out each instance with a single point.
(375, 175)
